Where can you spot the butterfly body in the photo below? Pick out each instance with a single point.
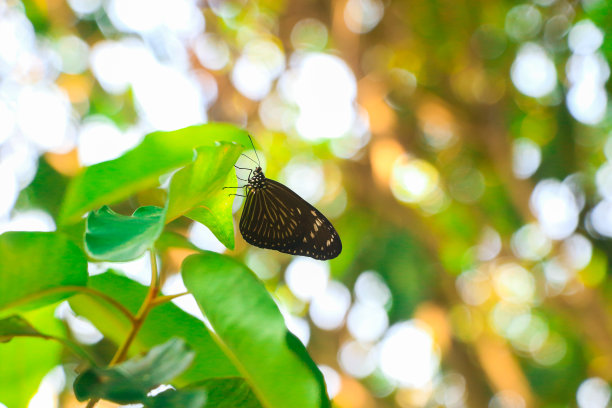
(275, 217)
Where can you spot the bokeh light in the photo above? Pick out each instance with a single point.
(99, 140)
(367, 322)
(357, 359)
(531, 243)
(332, 380)
(203, 238)
(51, 106)
(526, 158)
(261, 62)
(587, 72)
(32, 220)
(413, 180)
(212, 51)
(593, 393)
(523, 22)
(327, 310)
(362, 16)
(307, 278)
(556, 208)
(533, 73)
(474, 286)
(305, 178)
(309, 34)
(513, 283)
(408, 355)
(371, 288)
(324, 89)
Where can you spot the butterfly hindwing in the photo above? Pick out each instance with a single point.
(315, 235)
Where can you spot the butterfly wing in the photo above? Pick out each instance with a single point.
(277, 218)
(267, 222)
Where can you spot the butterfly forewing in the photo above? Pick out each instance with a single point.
(275, 217)
(266, 222)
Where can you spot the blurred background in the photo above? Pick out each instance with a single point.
(461, 148)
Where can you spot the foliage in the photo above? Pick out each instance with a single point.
(462, 150)
(42, 268)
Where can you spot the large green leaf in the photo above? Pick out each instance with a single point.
(35, 265)
(216, 213)
(118, 238)
(253, 333)
(162, 323)
(130, 381)
(141, 167)
(24, 361)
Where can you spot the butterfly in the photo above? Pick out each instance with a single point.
(275, 217)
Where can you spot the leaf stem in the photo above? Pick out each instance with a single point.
(140, 317)
(160, 300)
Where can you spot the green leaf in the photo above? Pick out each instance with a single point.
(228, 393)
(238, 307)
(131, 380)
(163, 322)
(216, 213)
(118, 238)
(141, 167)
(198, 180)
(26, 360)
(197, 190)
(178, 399)
(36, 265)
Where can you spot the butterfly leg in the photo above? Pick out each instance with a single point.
(244, 168)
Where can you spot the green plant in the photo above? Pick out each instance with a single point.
(249, 359)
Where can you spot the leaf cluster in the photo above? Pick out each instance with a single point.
(242, 356)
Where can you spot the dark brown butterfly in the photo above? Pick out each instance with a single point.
(275, 217)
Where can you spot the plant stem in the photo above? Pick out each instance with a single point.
(147, 304)
(160, 300)
(140, 317)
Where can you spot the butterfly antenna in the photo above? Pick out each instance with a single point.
(249, 159)
(255, 150)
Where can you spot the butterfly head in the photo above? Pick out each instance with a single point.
(257, 179)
